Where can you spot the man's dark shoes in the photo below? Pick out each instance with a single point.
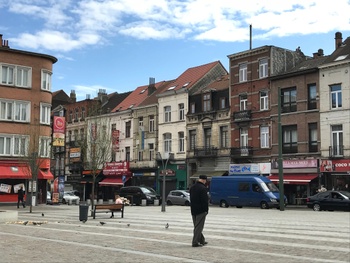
(197, 245)
(204, 243)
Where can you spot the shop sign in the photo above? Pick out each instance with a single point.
(244, 169)
(335, 165)
(116, 168)
(297, 164)
(167, 172)
(5, 188)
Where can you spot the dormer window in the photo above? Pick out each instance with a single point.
(206, 102)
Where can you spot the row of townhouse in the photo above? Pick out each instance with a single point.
(216, 122)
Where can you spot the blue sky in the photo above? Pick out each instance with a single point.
(117, 45)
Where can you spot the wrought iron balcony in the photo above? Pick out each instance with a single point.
(336, 151)
(240, 116)
(245, 151)
(205, 151)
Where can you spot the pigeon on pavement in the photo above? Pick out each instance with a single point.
(25, 223)
(166, 226)
(102, 223)
(42, 214)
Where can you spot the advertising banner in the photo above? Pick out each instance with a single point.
(116, 168)
(5, 188)
(115, 140)
(335, 165)
(59, 126)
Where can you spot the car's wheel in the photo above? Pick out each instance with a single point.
(239, 206)
(169, 202)
(316, 207)
(187, 203)
(64, 201)
(264, 205)
(223, 203)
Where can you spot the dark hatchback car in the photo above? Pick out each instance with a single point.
(329, 200)
(136, 193)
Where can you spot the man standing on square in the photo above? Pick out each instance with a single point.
(20, 197)
(199, 210)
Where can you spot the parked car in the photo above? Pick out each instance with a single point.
(136, 193)
(68, 196)
(178, 197)
(329, 200)
(75, 192)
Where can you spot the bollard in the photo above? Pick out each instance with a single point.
(144, 202)
(156, 202)
(70, 201)
(110, 201)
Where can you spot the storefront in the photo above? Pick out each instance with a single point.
(116, 174)
(335, 174)
(15, 174)
(300, 179)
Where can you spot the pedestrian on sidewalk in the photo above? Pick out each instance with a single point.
(20, 197)
(199, 210)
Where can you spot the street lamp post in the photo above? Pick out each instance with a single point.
(165, 173)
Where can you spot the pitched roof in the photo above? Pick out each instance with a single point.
(153, 99)
(135, 97)
(114, 99)
(191, 76)
(341, 53)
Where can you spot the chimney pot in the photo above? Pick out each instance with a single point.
(338, 39)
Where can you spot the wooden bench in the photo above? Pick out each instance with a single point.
(99, 208)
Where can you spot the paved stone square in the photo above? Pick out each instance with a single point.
(234, 235)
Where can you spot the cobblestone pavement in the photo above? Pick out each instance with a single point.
(234, 235)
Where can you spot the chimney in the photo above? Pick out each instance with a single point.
(102, 96)
(151, 86)
(73, 96)
(338, 39)
(319, 53)
(3, 43)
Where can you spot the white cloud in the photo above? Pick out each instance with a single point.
(73, 24)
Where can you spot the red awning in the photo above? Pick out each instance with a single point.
(294, 178)
(14, 172)
(45, 175)
(111, 181)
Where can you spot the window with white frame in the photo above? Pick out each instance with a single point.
(224, 136)
(45, 110)
(14, 110)
(151, 123)
(193, 107)
(44, 146)
(181, 141)
(181, 112)
(20, 145)
(337, 140)
(243, 137)
(264, 137)
(13, 145)
(207, 138)
(46, 80)
(263, 68)
(264, 100)
(7, 74)
(242, 72)
(23, 77)
(167, 142)
(243, 102)
(206, 102)
(167, 114)
(6, 110)
(222, 103)
(336, 96)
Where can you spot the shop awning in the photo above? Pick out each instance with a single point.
(294, 178)
(45, 175)
(14, 172)
(113, 181)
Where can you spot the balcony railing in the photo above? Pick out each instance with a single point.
(244, 151)
(240, 116)
(205, 151)
(336, 151)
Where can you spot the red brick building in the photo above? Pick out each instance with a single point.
(25, 106)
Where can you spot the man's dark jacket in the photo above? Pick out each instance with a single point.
(199, 198)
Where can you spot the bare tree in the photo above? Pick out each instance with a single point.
(99, 146)
(32, 148)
